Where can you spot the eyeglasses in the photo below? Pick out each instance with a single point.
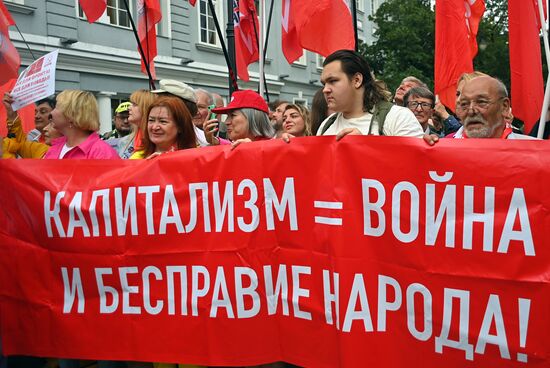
(480, 105)
(413, 105)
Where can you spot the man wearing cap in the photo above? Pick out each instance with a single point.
(122, 126)
(189, 97)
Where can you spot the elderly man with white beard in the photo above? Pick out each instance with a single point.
(485, 105)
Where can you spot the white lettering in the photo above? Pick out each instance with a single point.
(50, 214)
(73, 290)
(443, 338)
(358, 291)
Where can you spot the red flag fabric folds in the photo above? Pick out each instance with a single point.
(93, 9)
(192, 2)
(246, 45)
(456, 26)
(290, 42)
(9, 57)
(149, 15)
(321, 26)
(525, 61)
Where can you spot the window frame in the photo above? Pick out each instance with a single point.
(218, 4)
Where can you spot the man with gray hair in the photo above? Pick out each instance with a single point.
(205, 103)
(406, 84)
(485, 106)
(421, 102)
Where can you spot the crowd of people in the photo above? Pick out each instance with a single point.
(177, 117)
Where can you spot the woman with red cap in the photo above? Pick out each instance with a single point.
(247, 120)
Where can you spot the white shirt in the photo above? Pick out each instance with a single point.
(201, 138)
(64, 150)
(400, 121)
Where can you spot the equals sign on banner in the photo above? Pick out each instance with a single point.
(337, 221)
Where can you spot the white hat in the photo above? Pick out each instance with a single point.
(177, 88)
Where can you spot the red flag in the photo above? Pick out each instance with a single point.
(93, 9)
(290, 42)
(149, 15)
(456, 26)
(525, 61)
(474, 13)
(321, 26)
(9, 57)
(246, 45)
(192, 2)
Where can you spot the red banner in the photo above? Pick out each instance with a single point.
(372, 251)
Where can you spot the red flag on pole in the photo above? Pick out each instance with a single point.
(9, 57)
(321, 26)
(192, 2)
(525, 61)
(246, 46)
(456, 26)
(149, 15)
(290, 42)
(93, 9)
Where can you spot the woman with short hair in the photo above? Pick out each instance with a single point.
(76, 116)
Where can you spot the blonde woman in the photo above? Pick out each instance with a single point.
(141, 100)
(296, 120)
(76, 117)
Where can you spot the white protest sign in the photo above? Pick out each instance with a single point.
(36, 82)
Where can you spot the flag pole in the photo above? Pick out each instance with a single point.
(233, 86)
(262, 86)
(141, 52)
(354, 17)
(26, 43)
(542, 121)
(268, 28)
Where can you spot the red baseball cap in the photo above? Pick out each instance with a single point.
(244, 99)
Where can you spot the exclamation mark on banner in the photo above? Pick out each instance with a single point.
(524, 308)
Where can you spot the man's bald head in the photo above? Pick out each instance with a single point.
(485, 104)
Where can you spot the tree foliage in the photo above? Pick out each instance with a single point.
(405, 41)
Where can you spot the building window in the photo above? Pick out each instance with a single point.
(163, 27)
(360, 5)
(373, 6)
(302, 60)
(207, 28)
(320, 60)
(115, 14)
(299, 101)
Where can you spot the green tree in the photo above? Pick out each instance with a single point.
(405, 41)
(492, 39)
(405, 33)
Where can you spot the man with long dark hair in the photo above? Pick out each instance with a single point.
(362, 103)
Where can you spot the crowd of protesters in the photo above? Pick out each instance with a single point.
(177, 117)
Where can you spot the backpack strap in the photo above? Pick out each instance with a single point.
(381, 109)
(329, 123)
